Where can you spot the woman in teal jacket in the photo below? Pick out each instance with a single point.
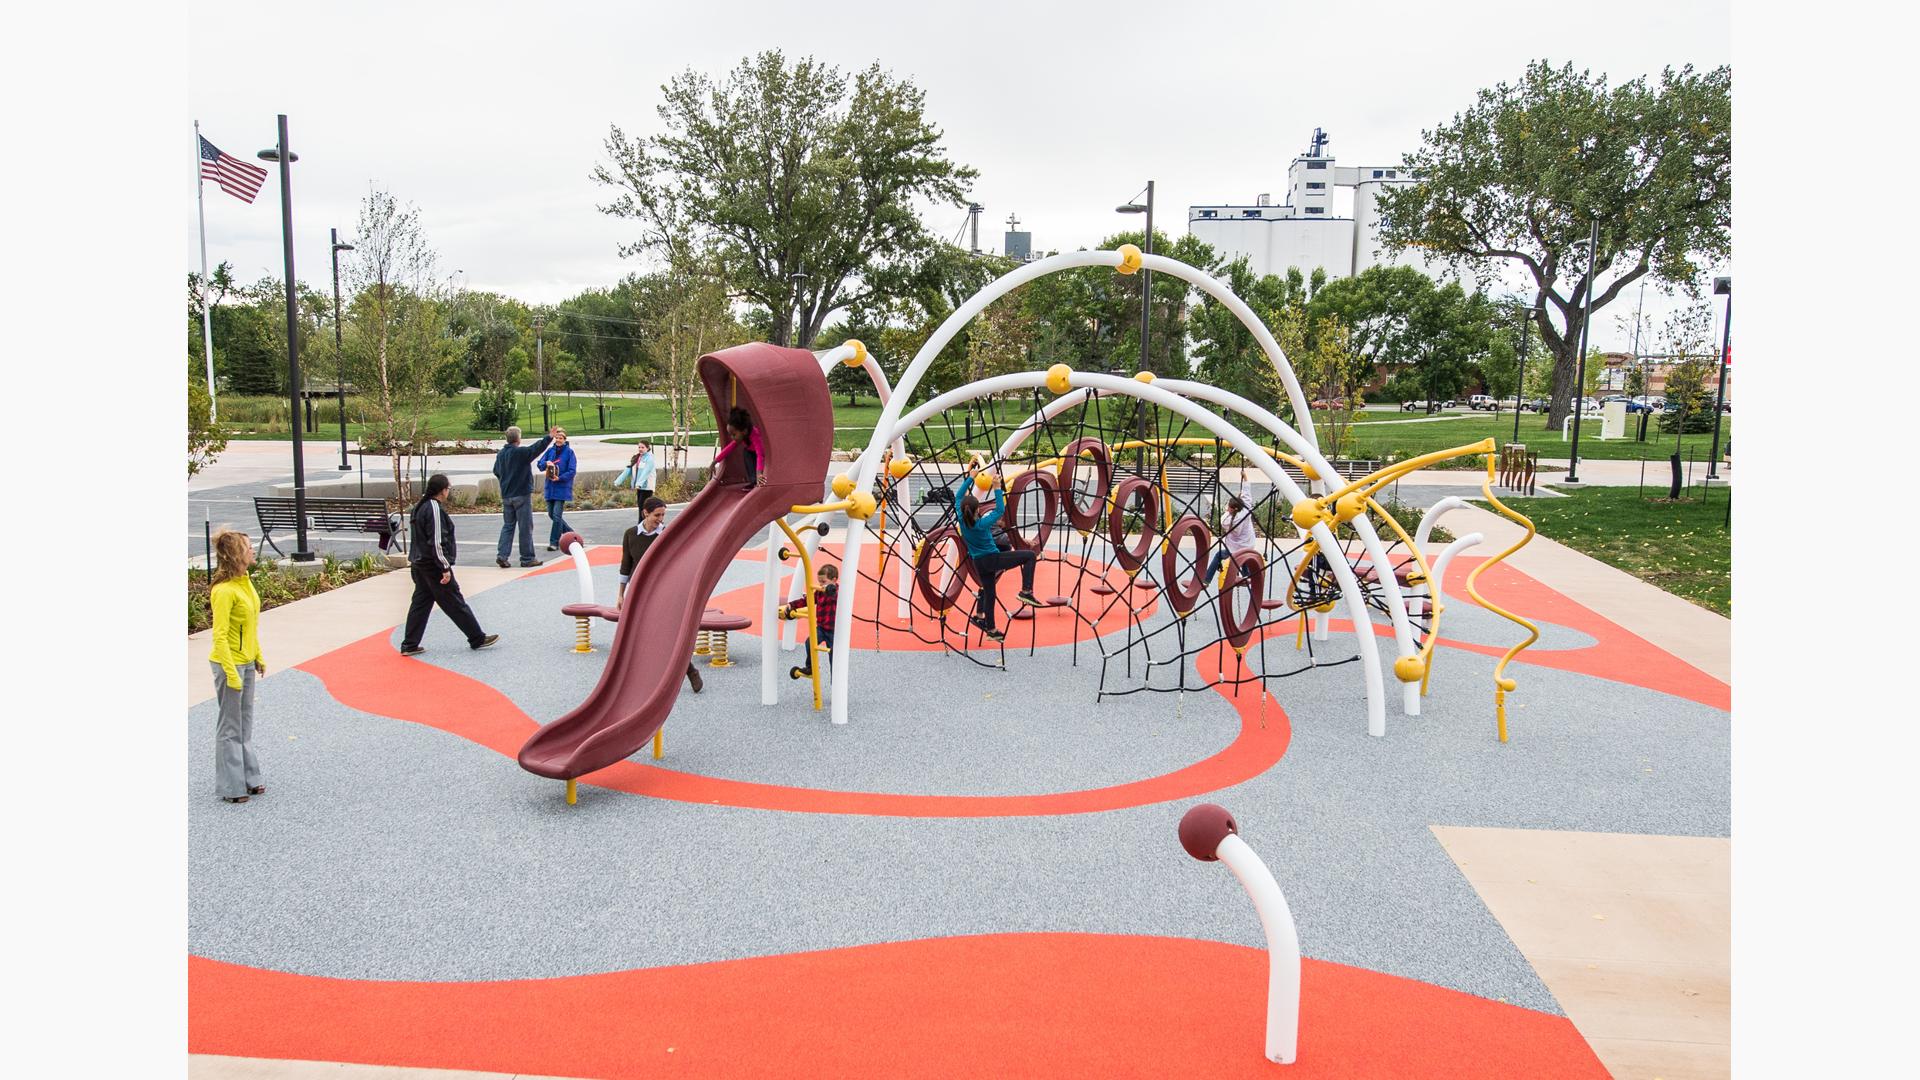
(989, 562)
(559, 463)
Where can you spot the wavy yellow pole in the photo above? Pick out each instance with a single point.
(813, 623)
(1502, 684)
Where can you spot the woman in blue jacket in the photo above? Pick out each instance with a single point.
(989, 562)
(559, 464)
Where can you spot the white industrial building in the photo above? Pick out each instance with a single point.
(1304, 231)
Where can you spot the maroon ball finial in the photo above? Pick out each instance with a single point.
(568, 539)
(1202, 829)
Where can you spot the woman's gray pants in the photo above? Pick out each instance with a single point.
(235, 769)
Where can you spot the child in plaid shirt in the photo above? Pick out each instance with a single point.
(826, 599)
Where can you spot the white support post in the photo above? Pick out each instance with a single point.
(769, 639)
(1209, 833)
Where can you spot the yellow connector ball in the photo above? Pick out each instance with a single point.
(859, 356)
(898, 468)
(1129, 259)
(1059, 378)
(983, 481)
(862, 505)
(1409, 669)
(1349, 506)
(1144, 377)
(1308, 513)
(843, 485)
(1505, 683)
(1324, 608)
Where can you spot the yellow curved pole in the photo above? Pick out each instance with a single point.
(1426, 576)
(813, 627)
(1380, 478)
(1502, 684)
(820, 508)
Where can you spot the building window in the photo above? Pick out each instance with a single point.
(1316, 185)
(1316, 164)
(1249, 213)
(1316, 210)
(1377, 173)
(1391, 173)
(1206, 213)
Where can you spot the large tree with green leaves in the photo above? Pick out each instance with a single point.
(1432, 337)
(1519, 178)
(801, 183)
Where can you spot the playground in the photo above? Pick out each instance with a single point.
(964, 841)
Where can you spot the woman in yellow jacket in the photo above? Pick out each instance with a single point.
(236, 662)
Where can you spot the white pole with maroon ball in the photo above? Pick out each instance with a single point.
(1210, 834)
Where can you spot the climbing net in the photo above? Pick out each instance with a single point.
(1119, 501)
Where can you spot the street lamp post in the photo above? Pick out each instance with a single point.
(540, 367)
(1146, 312)
(793, 316)
(1722, 286)
(1580, 379)
(286, 158)
(339, 355)
(1520, 375)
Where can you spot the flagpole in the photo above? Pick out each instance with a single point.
(206, 283)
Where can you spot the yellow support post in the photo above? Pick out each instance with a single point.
(659, 741)
(813, 628)
(573, 793)
(1502, 684)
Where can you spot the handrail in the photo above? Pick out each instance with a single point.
(813, 624)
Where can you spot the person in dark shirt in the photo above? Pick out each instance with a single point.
(634, 544)
(826, 600)
(430, 558)
(989, 562)
(513, 467)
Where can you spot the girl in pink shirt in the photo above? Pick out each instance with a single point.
(742, 433)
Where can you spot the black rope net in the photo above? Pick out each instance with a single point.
(1120, 501)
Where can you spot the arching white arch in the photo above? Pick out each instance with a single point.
(1369, 537)
(1242, 443)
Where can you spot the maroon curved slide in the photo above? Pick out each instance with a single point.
(786, 394)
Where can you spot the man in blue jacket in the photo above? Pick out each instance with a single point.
(559, 464)
(513, 467)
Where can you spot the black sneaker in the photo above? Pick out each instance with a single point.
(502, 563)
(485, 641)
(693, 679)
(411, 650)
(1026, 597)
(996, 635)
(551, 547)
(530, 562)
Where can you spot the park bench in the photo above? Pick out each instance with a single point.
(330, 515)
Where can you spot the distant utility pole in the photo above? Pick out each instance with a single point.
(540, 367)
(973, 222)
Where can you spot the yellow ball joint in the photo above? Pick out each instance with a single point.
(898, 468)
(843, 485)
(983, 481)
(1349, 506)
(1409, 669)
(1059, 378)
(1309, 513)
(861, 505)
(1144, 377)
(1129, 259)
(859, 357)
(1505, 684)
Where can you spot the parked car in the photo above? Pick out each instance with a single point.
(1333, 404)
(1643, 403)
(1534, 405)
(1482, 401)
(1421, 406)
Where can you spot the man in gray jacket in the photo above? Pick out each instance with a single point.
(513, 467)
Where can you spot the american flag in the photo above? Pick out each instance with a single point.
(237, 178)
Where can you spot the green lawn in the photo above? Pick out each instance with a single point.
(1683, 547)
(1374, 434)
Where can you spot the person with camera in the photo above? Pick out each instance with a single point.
(559, 464)
(513, 467)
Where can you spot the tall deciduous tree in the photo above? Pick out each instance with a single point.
(800, 184)
(1519, 178)
(398, 347)
(1432, 337)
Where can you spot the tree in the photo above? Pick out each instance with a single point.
(399, 347)
(1689, 341)
(1228, 355)
(1433, 337)
(1324, 361)
(802, 191)
(686, 316)
(1520, 176)
(205, 437)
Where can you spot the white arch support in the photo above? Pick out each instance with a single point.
(1351, 593)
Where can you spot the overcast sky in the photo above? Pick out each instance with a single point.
(490, 116)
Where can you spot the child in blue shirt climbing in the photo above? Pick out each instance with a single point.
(989, 562)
